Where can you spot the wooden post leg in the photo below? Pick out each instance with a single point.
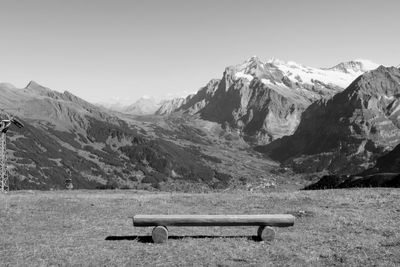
(266, 233)
(160, 234)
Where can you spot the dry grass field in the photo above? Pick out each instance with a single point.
(359, 227)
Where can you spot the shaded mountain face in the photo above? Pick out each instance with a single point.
(264, 100)
(389, 163)
(66, 137)
(346, 133)
(385, 173)
(351, 181)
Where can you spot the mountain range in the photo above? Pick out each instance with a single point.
(143, 106)
(344, 120)
(264, 100)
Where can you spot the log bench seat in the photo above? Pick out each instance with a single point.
(265, 222)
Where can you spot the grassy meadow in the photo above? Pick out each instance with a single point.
(357, 227)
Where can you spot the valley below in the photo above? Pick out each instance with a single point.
(345, 227)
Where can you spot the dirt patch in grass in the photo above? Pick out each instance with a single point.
(357, 227)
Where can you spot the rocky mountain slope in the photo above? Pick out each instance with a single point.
(169, 106)
(346, 133)
(264, 100)
(67, 137)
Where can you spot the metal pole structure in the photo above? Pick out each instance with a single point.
(3, 164)
(4, 125)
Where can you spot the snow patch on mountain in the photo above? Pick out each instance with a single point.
(239, 75)
(367, 65)
(308, 75)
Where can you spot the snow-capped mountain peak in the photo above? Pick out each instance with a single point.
(358, 66)
(249, 69)
(265, 100)
(340, 75)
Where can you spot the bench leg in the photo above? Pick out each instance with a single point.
(266, 233)
(159, 234)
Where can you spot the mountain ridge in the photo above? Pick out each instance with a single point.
(66, 137)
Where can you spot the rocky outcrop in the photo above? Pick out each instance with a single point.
(346, 133)
(264, 101)
(193, 103)
(169, 106)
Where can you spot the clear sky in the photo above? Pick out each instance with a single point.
(107, 50)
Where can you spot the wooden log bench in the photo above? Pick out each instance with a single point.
(265, 222)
